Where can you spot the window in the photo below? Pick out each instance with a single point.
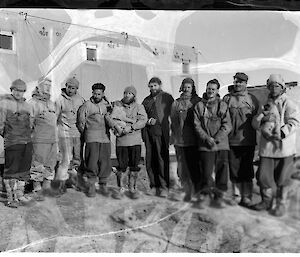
(6, 41)
(91, 53)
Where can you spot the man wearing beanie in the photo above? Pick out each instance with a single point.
(129, 141)
(242, 139)
(44, 138)
(276, 159)
(15, 128)
(69, 142)
(94, 122)
(156, 136)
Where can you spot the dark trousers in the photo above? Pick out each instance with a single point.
(188, 169)
(241, 164)
(129, 156)
(157, 161)
(97, 161)
(18, 161)
(216, 161)
(274, 172)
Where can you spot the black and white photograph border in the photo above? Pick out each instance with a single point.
(123, 47)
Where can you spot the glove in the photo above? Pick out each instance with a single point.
(119, 129)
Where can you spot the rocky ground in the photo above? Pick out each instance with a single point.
(76, 223)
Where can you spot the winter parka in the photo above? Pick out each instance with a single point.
(44, 116)
(182, 121)
(136, 112)
(289, 123)
(67, 108)
(243, 106)
(159, 107)
(15, 121)
(94, 121)
(212, 119)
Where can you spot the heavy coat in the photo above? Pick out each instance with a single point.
(289, 122)
(182, 121)
(212, 119)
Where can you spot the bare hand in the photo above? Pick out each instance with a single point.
(151, 121)
(211, 142)
(127, 129)
(119, 129)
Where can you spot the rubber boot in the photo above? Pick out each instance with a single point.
(280, 208)
(133, 175)
(37, 191)
(266, 200)
(246, 194)
(118, 194)
(11, 187)
(25, 201)
(91, 187)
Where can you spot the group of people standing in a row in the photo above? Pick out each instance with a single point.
(210, 135)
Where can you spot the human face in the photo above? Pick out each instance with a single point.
(154, 87)
(212, 90)
(239, 85)
(98, 95)
(275, 89)
(187, 88)
(17, 94)
(46, 87)
(128, 96)
(71, 90)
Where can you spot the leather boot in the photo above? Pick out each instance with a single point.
(91, 188)
(11, 187)
(132, 175)
(246, 194)
(266, 200)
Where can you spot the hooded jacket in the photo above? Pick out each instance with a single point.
(242, 107)
(212, 119)
(182, 121)
(44, 116)
(159, 107)
(137, 113)
(94, 121)
(289, 122)
(67, 108)
(15, 121)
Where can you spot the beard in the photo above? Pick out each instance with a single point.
(156, 92)
(97, 100)
(127, 100)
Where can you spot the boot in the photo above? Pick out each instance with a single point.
(37, 191)
(218, 200)
(266, 200)
(62, 188)
(118, 194)
(280, 208)
(91, 188)
(103, 190)
(236, 194)
(11, 186)
(247, 188)
(47, 189)
(25, 201)
(81, 184)
(134, 194)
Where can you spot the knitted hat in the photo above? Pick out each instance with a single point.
(99, 86)
(72, 82)
(276, 78)
(241, 76)
(131, 90)
(18, 84)
(42, 80)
